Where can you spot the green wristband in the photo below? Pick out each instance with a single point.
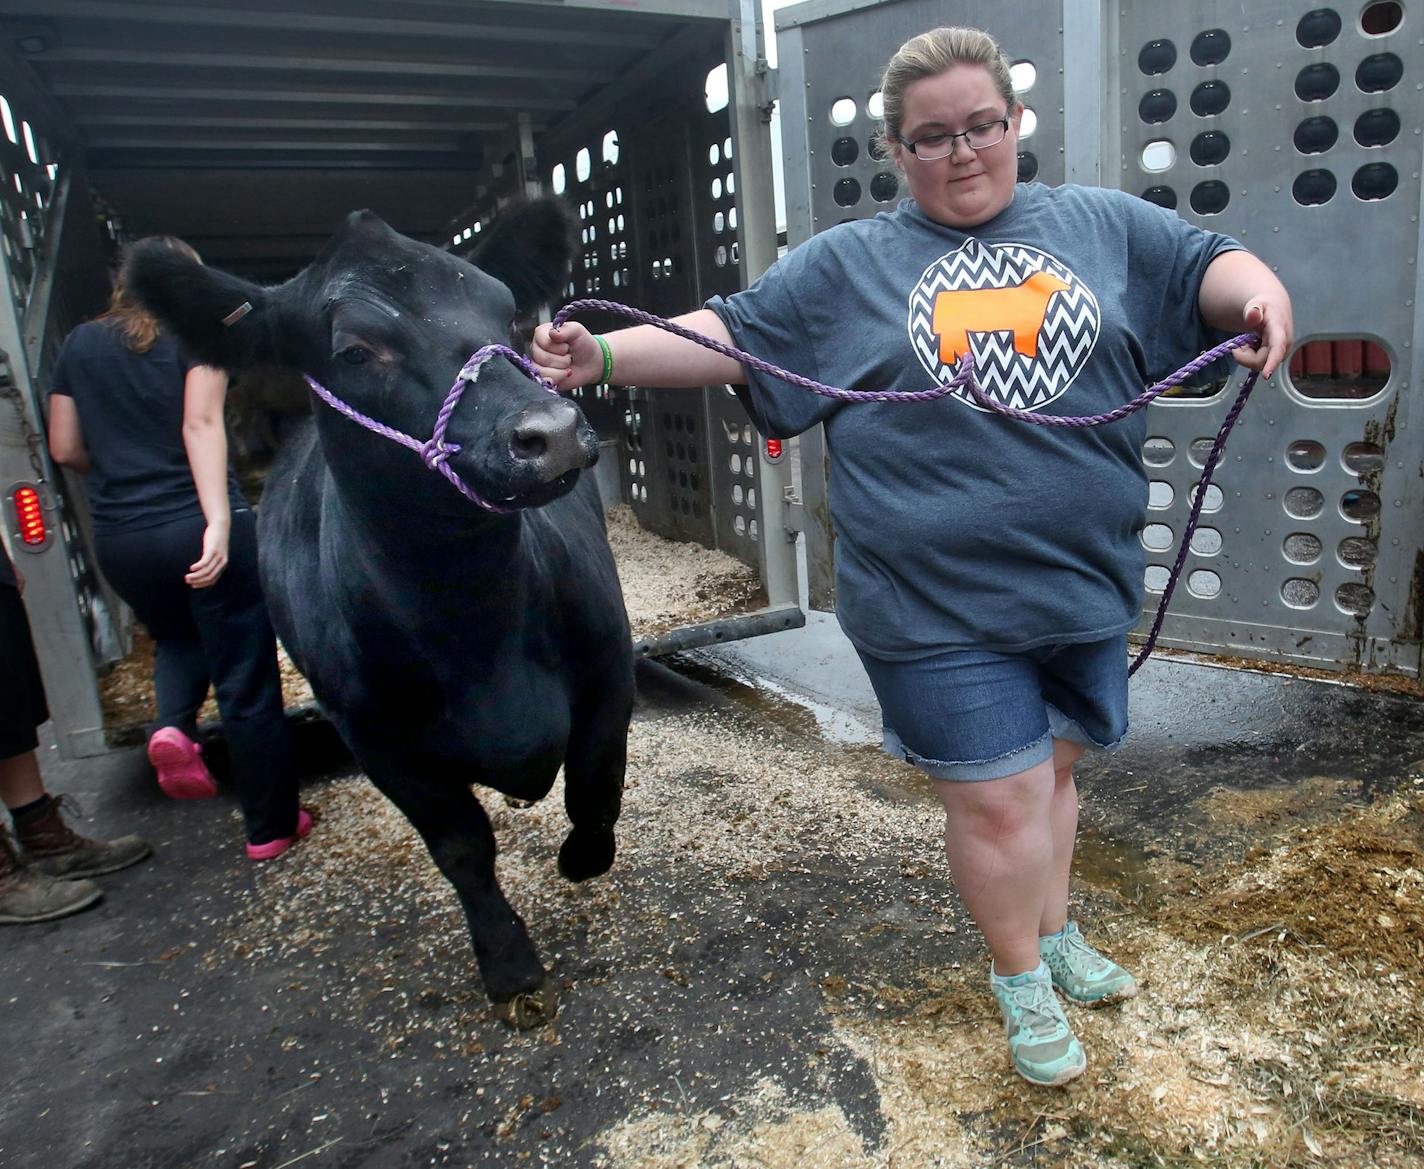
(607, 358)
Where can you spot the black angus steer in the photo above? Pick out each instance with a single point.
(448, 644)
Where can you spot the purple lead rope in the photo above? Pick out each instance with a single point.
(965, 379)
(435, 451)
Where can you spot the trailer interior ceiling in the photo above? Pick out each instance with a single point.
(251, 128)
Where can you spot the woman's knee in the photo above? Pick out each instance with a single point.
(999, 806)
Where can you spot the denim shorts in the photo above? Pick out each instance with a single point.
(975, 715)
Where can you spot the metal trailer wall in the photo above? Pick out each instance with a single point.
(53, 263)
(1294, 128)
(674, 203)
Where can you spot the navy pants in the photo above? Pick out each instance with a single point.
(219, 635)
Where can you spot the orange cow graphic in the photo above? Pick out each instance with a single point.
(1017, 308)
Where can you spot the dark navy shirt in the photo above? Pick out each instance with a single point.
(130, 408)
(7, 573)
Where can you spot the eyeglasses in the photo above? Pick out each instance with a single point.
(934, 146)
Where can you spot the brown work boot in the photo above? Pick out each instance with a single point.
(53, 847)
(28, 895)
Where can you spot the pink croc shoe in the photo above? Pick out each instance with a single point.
(275, 848)
(182, 774)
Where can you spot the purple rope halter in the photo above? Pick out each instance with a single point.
(435, 452)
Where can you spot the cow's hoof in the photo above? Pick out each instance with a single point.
(586, 854)
(526, 1011)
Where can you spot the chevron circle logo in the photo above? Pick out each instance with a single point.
(1027, 319)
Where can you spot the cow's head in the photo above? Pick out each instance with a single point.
(385, 323)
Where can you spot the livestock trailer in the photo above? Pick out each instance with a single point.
(251, 129)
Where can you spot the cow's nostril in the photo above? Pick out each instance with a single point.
(529, 442)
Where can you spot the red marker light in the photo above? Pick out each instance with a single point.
(773, 449)
(31, 527)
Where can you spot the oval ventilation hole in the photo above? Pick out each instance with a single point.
(1300, 594)
(1157, 105)
(1213, 499)
(1301, 548)
(1211, 148)
(1211, 47)
(1362, 458)
(1317, 29)
(846, 192)
(1158, 451)
(1345, 370)
(1204, 584)
(1381, 18)
(1355, 599)
(1210, 98)
(885, 187)
(1317, 82)
(1305, 455)
(1378, 73)
(1158, 156)
(1357, 552)
(1375, 180)
(1377, 127)
(1313, 187)
(1303, 503)
(1206, 542)
(1157, 537)
(1210, 198)
(1316, 135)
(1360, 506)
(1157, 57)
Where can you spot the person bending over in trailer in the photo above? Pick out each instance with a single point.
(46, 877)
(177, 541)
(987, 571)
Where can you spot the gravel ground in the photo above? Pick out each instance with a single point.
(775, 974)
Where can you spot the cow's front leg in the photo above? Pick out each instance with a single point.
(461, 841)
(593, 776)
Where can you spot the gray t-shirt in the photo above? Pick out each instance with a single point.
(956, 527)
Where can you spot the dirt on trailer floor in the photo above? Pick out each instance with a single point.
(776, 975)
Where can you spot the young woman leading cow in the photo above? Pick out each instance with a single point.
(987, 572)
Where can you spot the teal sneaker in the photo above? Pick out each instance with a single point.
(1083, 974)
(1041, 1043)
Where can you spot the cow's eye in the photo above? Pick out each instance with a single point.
(355, 355)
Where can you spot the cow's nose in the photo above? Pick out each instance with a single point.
(550, 436)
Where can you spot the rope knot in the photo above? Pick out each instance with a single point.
(436, 451)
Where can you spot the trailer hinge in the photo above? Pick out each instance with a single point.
(793, 515)
(770, 87)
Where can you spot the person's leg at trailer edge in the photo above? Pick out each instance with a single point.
(42, 874)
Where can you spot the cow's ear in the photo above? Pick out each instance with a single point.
(529, 248)
(221, 319)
